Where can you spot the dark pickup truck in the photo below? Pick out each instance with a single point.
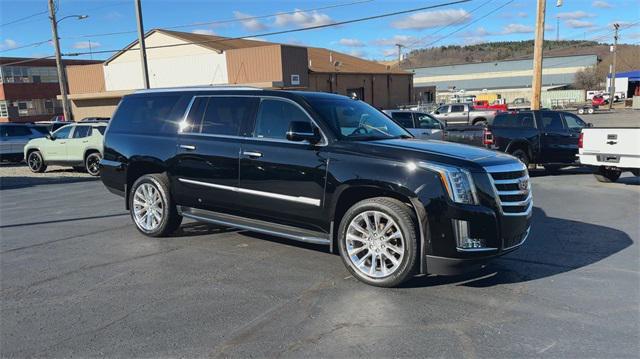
(549, 138)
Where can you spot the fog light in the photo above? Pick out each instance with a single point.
(463, 241)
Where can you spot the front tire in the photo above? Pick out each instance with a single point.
(36, 162)
(607, 175)
(92, 163)
(377, 240)
(151, 206)
(522, 156)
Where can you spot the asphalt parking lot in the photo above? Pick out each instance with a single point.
(77, 279)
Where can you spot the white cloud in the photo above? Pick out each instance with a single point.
(517, 29)
(430, 19)
(481, 31)
(601, 4)
(8, 44)
(203, 32)
(398, 39)
(86, 45)
(522, 14)
(579, 24)
(358, 53)
(575, 15)
(389, 52)
(303, 19)
(351, 42)
(248, 23)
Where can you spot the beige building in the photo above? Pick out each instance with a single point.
(185, 59)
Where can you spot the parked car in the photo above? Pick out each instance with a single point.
(13, 138)
(549, 138)
(95, 119)
(76, 145)
(610, 151)
(462, 114)
(520, 103)
(319, 168)
(421, 125)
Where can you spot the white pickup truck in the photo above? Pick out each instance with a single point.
(610, 151)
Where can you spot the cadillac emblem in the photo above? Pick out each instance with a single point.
(523, 184)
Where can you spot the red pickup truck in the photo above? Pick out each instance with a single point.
(485, 105)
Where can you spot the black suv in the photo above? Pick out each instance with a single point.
(319, 168)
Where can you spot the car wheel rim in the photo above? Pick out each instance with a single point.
(375, 244)
(93, 164)
(148, 209)
(34, 162)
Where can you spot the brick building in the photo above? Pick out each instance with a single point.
(28, 89)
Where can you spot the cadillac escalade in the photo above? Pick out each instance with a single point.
(319, 168)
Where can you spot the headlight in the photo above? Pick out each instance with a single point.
(457, 181)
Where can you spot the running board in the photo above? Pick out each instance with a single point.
(274, 229)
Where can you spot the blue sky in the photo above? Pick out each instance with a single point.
(473, 22)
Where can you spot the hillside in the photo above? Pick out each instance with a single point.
(628, 55)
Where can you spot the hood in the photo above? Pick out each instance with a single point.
(433, 150)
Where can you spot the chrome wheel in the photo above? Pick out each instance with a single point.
(148, 208)
(34, 161)
(93, 164)
(375, 244)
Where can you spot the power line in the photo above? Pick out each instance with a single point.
(27, 45)
(338, 23)
(28, 60)
(24, 18)
(225, 20)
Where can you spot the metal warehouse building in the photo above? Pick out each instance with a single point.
(510, 78)
(186, 59)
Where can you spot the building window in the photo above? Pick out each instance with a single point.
(4, 111)
(26, 74)
(358, 92)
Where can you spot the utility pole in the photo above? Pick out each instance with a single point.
(62, 78)
(400, 46)
(143, 49)
(612, 79)
(536, 83)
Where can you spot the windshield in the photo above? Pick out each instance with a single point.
(356, 120)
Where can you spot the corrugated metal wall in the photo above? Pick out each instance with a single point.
(256, 64)
(549, 98)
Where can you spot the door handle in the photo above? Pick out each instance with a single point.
(63, 142)
(188, 147)
(252, 154)
(87, 141)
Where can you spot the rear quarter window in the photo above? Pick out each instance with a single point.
(149, 114)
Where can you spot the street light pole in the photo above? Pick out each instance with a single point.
(62, 78)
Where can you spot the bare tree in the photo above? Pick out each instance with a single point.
(587, 79)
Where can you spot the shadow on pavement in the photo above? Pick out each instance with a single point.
(64, 220)
(555, 246)
(23, 181)
(201, 229)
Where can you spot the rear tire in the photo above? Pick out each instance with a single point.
(522, 156)
(377, 240)
(480, 123)
(607, 175)
(92, 163)
(152, 209)
(36, 162)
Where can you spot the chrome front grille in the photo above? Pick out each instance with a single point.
(512, 188)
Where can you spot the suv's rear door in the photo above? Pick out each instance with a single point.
(280, 180)
(77, 143)
(205, 171)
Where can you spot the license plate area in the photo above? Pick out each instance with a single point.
(608, 158)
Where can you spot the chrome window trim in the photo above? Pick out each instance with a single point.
(323, 143)
(284, 197)
(198, 88)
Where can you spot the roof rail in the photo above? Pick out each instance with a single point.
(199, 88)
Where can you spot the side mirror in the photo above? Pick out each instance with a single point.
(49, 137)
(302, 131)
(589, 124)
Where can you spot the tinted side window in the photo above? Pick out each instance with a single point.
(525, 120)
(63, 132)
(457, 108)
(101, 129)
(41, 129)
(82, 132)
(443, 109)
(274, 118)
(504, 120)
(149, 114)
(227, 115)
(403, 118)
(16, 131)
(574, 122)
(426, 121)
(552, 121)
